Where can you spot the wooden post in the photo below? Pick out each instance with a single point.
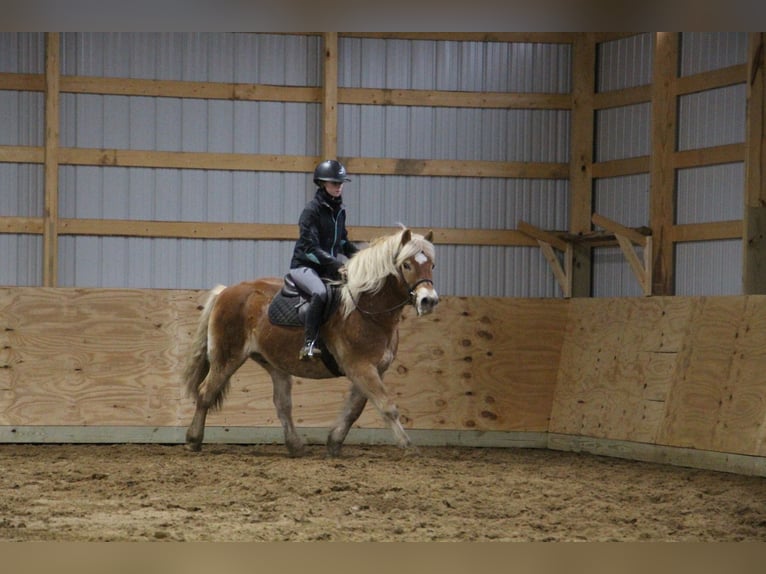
(662, 187)
(754, 232)
(581, 163)
(50, 215)
(330, 96)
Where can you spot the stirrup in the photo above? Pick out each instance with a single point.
(309, 351)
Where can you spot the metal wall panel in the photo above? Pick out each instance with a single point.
(710, 193)
(623, 132)
(22, 52)
(191, 125)
(449, 65)
(21, 185)
(625, 63)
(199, 57)
(712, 118)
(706, 51)
(709, 268)
(453, 133)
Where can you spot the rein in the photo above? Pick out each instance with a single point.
(410, 299)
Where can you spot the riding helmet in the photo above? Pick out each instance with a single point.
(330, 170)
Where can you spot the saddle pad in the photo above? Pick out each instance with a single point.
(284, 311)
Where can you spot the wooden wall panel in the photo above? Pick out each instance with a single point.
(113, 357)
(685, 372)
(679, 372)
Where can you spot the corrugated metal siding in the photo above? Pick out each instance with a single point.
(623, 132)
(625, 63)
(712, 118)
(448, 65)
(170, 124)
(709, 268)
(21, 185)
(460, 134)
(710, 193)
(706, 51)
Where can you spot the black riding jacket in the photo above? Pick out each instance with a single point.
(323, 236)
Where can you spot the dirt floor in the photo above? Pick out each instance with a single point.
(371, 493)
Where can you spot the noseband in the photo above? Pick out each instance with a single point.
(410, 299)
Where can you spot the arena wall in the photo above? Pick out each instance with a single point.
(675, 379)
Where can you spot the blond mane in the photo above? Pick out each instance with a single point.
(369, 268)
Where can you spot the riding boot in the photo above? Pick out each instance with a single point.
(313, 322)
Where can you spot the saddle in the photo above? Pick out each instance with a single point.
(288, 309)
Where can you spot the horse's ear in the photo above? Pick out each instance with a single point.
(406, 236)
(430, 236)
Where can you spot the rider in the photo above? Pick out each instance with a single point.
(322, 247)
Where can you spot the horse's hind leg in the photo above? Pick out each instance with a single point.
(283, 402)
(351, 411)
(211, 394)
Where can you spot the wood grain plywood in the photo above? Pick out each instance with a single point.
(704, 372)
(74, 356)
(617, 365)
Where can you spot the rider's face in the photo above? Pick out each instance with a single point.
(333, 188)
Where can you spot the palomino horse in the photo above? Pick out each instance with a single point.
(362, 334)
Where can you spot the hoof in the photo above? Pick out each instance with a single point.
(296, 452)
(193, 446)
(333, 451)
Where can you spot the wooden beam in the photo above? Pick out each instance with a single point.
(251, 231)
(618, 229)
(730, 153)
(330, 96)
(621, 167)
(581, 157)
(51, 199)
(707, 231)
(22, 154)
(712, 80)
(457, 168)
(754, 225)
(624, 97)
(21, 225)
(22, 82)
(542, 235)
(186, 89)
(662, 186)
(453, 99)
(186, 160)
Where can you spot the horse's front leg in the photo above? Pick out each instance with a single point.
(370, 384)
(283, 402)
(351, 412)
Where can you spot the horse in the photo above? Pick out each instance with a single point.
(361, 334)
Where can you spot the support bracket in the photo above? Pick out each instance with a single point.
(548, 242)
(627, 239)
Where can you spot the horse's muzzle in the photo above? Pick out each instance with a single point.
(426, 300)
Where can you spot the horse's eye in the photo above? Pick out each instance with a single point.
(407, 266)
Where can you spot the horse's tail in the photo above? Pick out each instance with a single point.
(198, 364)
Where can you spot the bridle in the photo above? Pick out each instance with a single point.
(409, 300)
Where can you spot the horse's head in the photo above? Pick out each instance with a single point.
(416, 264)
